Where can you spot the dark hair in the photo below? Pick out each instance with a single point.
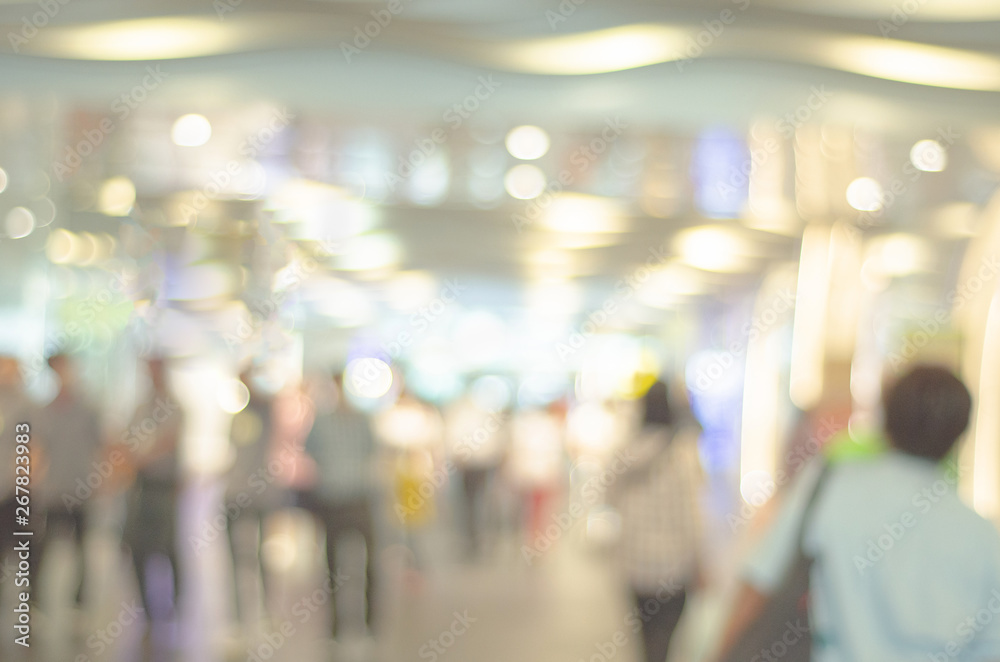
(926, 411)
(657, 406)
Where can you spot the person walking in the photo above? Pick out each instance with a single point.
(342, 446)
(657, 496)
(901, 568)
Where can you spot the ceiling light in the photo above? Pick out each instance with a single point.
(901, 254)
(191, 130)
(527, 142)
(234, 396)
(160, 38)
(908, 62)
(116, 197)
(61, 246)
(600, 51)
(929, 156)
(714, 248)
(19, 222)
(368, 378)
(865, 194)
(576, 213)
(377, 250)
(524, 182)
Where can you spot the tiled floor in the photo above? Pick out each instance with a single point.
(568, 605)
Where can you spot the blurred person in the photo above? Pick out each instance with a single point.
(342, 446)
(657, 495)
(256, 495)
(414, 430)
(153, 441)
(475, 440)
(414, 502)
(70, 437)
(536, 465)
(901, 567)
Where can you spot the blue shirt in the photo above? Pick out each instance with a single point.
(904, 569)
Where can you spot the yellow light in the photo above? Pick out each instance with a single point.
(87, 249)
(116, 197)
(901, 254)
(19, 222)
(158, 38)
(713, 248)
(864, 194)
(409, 289)
(600, 51)
(809, 327)
(985, 476)
(233, 396)
(524, 182)
(61, 246)
(929, 156)
(667, 286)
(527, 143)
(909, 62)
(377, 250)
(368, 378)
(586, 214)
(191, 130)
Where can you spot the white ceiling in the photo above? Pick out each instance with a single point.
(288, 52)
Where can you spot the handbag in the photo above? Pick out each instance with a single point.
(782, 628)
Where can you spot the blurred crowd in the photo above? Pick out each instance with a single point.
(481, 479)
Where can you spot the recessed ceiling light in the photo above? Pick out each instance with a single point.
(191, 130)
(865, 194)
(527, 143)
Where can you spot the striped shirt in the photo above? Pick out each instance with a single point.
(657, 497)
